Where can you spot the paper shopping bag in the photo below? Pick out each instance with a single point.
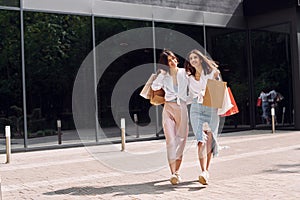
(214, 93)
(234, 109)
(147, 92)
(157, 97)
(226, 103)
(258, 102)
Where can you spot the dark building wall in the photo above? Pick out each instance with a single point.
(289, 13)
(271, 18)
(296, 54)
(256, 7)
(219, 6)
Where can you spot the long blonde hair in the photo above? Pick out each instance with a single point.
(208, 65)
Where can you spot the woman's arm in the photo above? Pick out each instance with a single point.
(158, 82)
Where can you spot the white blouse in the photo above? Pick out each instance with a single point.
(197, 88)
(172, 93)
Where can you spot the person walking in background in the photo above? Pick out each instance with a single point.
(175, 114)
(274, 98)
(265, 106)
(204, 120)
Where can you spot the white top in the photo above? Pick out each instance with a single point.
(165, 82)
(197, 88)
(264, 96)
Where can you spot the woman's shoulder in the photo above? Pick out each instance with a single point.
(161, 76)
(182, 72)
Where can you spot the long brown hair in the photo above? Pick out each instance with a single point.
(207, 65)
(163, 59)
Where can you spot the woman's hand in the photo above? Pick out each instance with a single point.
(163, 72)
(216, 75)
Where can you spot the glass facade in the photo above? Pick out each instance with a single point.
(228, 47)
(194, 32)
(110, 112)
(13, 3)
(11, 104)
(57, 45)
(272, 70)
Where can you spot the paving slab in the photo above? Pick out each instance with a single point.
(251, 165)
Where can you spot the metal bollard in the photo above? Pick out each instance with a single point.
(135, 117)
(59, 131)
(8, 143)
(283, 113)
(0, 189)
(123, 133)
(293, 116)
(273, 119)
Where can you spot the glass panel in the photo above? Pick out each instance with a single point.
(272, 71)
(228, 48)
(11, 104)
(180, 45)
(55, 47)
(124, 64)
(13, 3)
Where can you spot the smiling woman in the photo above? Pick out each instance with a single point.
(174, 116)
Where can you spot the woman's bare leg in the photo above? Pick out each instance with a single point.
(172, 165)
(209, 149)
(178, 163)
(202, 155)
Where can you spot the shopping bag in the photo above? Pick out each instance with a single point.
(226, 104)
(234, 109)
(214, 93)
(258, 102)
(157, 97)
(147, 92)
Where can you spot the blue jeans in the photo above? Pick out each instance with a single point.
(200, 114)
(266, 111)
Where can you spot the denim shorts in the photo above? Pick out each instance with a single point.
(200, 114)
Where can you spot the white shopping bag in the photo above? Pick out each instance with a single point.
(226, 103)
(146, 91)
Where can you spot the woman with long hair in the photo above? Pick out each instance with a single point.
(173, 81)
(204, 120)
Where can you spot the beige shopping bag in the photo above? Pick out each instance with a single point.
(147, 92)
(214, 93)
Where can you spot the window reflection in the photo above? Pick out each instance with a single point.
(55, 46)
(11, 105)
(13, 3)
(228, 48)
(272, 70)
(110, 113)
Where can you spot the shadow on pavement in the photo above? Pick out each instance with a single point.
(285, 168)
(154, 187)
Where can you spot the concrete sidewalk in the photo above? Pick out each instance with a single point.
(251, 165)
